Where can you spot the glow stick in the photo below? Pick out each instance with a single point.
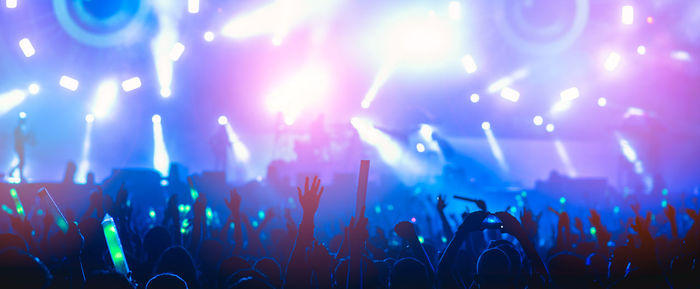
(18, 203)
(114, 245)
(193, 192)
(53, 209)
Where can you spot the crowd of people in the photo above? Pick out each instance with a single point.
(486, 249)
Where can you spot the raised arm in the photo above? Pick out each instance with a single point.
(298, 270)
(444, 272)
(446, 229)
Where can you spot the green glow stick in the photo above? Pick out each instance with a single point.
(114, 245)
(18, 203)
(53, 209)
(193, 192)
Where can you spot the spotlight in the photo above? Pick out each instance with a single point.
(11, 99)
(11, 4)
(420, 147)
(570, 94)
(27, 47)
(474, 98)
(223, 120)
(680, 55)
(454, 10)
(641, 50)
(510, 94)
(495, 147)
(486, 125)
(165, 92)
(549, 127)
(602, 101)
(22, 115)
(69, 83)
(382, 76)
(161, 159)
(193, 6)
(537, 120)
(89, 118)
(612, 61)
(627, 15)
(131, 84)
(208, 36)
(301, 91)
(105, 98)
(176, 51)
(84, 164)
(33, 88)
(155, 118)
(469, 64)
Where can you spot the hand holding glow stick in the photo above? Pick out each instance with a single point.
(18, 203)
(53, 209)
(114, 245)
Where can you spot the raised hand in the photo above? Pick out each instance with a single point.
(406, 231)
(641, 225)
(530, 223)
(234, 202)
(311, 196)
(441, 203)
(511, 225)
(635, 208)
(472, 222)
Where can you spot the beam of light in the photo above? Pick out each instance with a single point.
(417, 38)
(276, 19)
(131, 84)
(455, 10)
(193, 6)
(162, 45)
(105, 98)
(474, 98)
(627, 15)
(33, 88)
(567, 96)
(680, 55)
(298, 93)
(10, 100)
(510, 94)
(176, 51)
(426, 132)
(27, 47)
(564, 156)
(13, 177)
(389, 150)
(630, 154)
(420, 147)
(469, 64)
(11, 4)
(69, 83)
(537, 120)
(505, 81)
(379, 79)
(612, 61)
(495, 148)
(84, 164)
(240, 150)
(161, 160)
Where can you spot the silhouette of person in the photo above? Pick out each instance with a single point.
(21, 138)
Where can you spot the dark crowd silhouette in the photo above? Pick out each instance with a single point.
(184, 247)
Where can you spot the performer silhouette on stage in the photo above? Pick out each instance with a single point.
(22, 137)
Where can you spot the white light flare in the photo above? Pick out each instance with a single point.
(505, 81)
(612, 61)
(69, 83)
(161, 160)
(627, 15)
(176, 51)
(164, 44)
(495, 148)
(510, 94)
(27, 47)
(105, 98)
(455, 10)
(681, 55)
(131, 84)
(33, 89)
(11, 4)
(641, 50)
(10, 100)
(469, 64)
(564, 156)
(549, 127)
(300, 92)
(193, 6)
(222, 120)
(240, 150)
(84, 165)
(602, 101)
(382, 76)
(209, 36)
(570, 94)
(389, 150)
(474, 98)
(537, 120)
